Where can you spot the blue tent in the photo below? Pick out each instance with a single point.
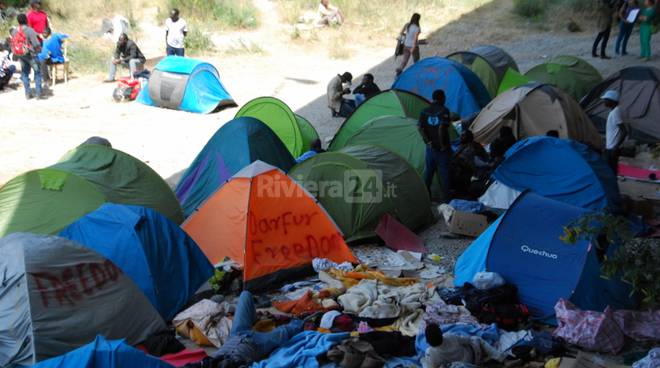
(523, 246)
(162, 260)
(234, 146)
(102, 353)
(560, 169)
(185, 84)
(465, 92)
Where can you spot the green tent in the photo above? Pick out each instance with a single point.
(489, 63)
(122, 178)
(391, 102)
(571, 74)
(296, 132)
(357, 185)
(45, 201)
(511, 80)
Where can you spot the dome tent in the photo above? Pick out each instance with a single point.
(570, 73)
(489, 63)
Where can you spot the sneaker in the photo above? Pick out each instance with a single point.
(108, 81)
(29, 96)
(42, 97)
(605, 57)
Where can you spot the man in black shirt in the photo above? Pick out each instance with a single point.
(434, 127)
(128, 54)
(366, 89)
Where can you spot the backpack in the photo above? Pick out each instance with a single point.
(19, 43)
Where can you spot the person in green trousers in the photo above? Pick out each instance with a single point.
(645, 28)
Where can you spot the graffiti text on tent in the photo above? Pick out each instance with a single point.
(313, 246)
(282, 222)
(73, 284)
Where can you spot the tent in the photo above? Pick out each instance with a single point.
(102, 353)
(563, 170)
(58, 295)
(45, 201)
(357, 185)
(267, 223)
(511, 80)
(489, 63)
(386, 103)
(122, 178)
(570, 73)
(296, 132)
(639, 87)
(533, 110)
(523, 246)
(465, 92)
(234, 146)
(186, 84)
(161, 259)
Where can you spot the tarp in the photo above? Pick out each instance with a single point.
(102, 353)
(162, 260)
(234, 146)
(523, 246)
(386, 103)
(268, 224)
(569, 73)
(533, 110)
(122, 178)
(511, 79)
(489, 63)
(296, 133)
(185, 84)
(639, 88)
(465, 92)
(359, 184)
(57, 295)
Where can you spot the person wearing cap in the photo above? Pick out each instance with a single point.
(340, 106)
(615, 129)
(37, 18)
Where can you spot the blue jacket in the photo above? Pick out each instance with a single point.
(52, 48)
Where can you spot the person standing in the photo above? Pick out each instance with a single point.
(37, 18)
(176, 30)
(410, 32)
(126, 53)
(615, 129)
(645, 29)
(625, 26)
(434, 126)
(340, 106)
(25, 46)
(605, 18)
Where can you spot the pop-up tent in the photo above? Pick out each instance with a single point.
(357, 185)
(386, 103)
(186, 84)
(162, 260)
(560, 169)
(267, 223)
(102, 353)
(533, 110)
(234, 146)
(489, 63)
(639, 88)
(570, 73)
(523, 246)
(122, 178)
(58, 295)
(465, 92)
(296, 132)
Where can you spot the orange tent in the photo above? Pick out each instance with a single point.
(269, 224)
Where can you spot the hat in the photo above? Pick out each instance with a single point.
(35, 2)
(611, 95)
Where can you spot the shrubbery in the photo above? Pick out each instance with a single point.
(530, 8)
(223, 13)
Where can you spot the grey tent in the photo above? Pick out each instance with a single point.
(57, 295)
(488, 62)
(639, 88)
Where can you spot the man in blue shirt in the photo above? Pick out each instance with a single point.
(51, 53)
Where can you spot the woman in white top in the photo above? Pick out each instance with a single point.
(329, 14)
(411, 33)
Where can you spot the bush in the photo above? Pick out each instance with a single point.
(86, 58)
(225, 13)
(198, 41)
(530, 8)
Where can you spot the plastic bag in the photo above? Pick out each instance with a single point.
(487, 280)
(588, 329)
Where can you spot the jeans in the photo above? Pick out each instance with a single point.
(173, 51)
(346, 109)
(45, 73)
(621, 45)
(9, 72)
(132, 67)
(612, 159)
(645, 40)
(359, 99)
(437, 161)
(602, 36)
(30, 63)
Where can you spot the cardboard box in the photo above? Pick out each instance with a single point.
(466, 223)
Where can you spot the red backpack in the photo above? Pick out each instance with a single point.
(19, 43)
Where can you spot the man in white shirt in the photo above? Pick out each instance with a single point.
(616, 130)
(175, 34)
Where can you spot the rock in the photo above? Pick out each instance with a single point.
(573, 26)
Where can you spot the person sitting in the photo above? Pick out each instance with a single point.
(315, 149)
(444, 350)
(51, 53)
(340, 106)
(128, 54)
(366, 89)
(245, 346)
(469, 157)
(329, 14)
(501, 144)
(552, 133)
(7, 69)
(98, 140)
